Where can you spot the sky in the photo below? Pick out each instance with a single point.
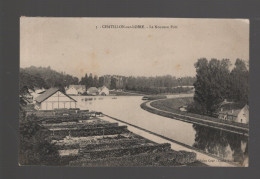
(80, 45)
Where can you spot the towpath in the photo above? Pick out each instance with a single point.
(196, 120)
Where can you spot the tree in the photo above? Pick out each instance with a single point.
(90, 81)
(42, 77)
(101, 81)
(95, 81)
(31, 81)
(211, 84)
(239, 80)
(59, 86)
(35, 143)
(113, 83)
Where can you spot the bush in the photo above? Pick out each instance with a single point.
(35, 145)
(195, 108)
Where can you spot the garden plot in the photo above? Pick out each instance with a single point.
(96, 142)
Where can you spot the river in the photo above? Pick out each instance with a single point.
(226, 145)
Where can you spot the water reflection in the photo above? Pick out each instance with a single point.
(227, 145)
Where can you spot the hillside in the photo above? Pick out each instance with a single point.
(42, 77)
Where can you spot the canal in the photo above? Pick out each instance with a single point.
(226, 145)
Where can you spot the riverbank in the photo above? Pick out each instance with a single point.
(125, 93)
(193, 118)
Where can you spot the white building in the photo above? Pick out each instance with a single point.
(243, 115)
(52, 99)
(235, 115)
(104, 91)
(71, 91)
(76, 89)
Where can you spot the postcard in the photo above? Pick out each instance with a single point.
(120, 92)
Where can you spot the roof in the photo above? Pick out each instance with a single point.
(246, 107)
(49, 93)
(92, 90)
(234, 111)
(102, 87)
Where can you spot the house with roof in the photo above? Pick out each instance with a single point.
(104, 91)
(54, 98)
(71, 91)
(76, 89)
(92, 91)
(235, 115)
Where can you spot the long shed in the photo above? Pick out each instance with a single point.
(53, 98)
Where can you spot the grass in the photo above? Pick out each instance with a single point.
(172, 105)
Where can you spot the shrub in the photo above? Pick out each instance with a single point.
(35, 145)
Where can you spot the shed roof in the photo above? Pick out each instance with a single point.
(49, 93)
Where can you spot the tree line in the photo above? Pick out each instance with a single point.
(42, 77)
(159, 84)
(215, 82)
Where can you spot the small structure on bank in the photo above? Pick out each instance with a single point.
(104, 91)
(76, 89)
(52, 99)
(92, 91)
(235, 115)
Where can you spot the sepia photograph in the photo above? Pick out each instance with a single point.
(134, 92)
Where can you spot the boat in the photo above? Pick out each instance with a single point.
(145, 98)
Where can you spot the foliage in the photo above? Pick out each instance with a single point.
(113, 84)
(42, 77)
(214, 83)
(239, 82)
(101, 81)
(158, 82)
(35, 146)
(89, 81)
(30, 81)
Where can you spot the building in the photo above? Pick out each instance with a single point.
(235, 115)
(104, 91)
(71, 91)
(92, 91)
(52, 99)
(76, 89)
